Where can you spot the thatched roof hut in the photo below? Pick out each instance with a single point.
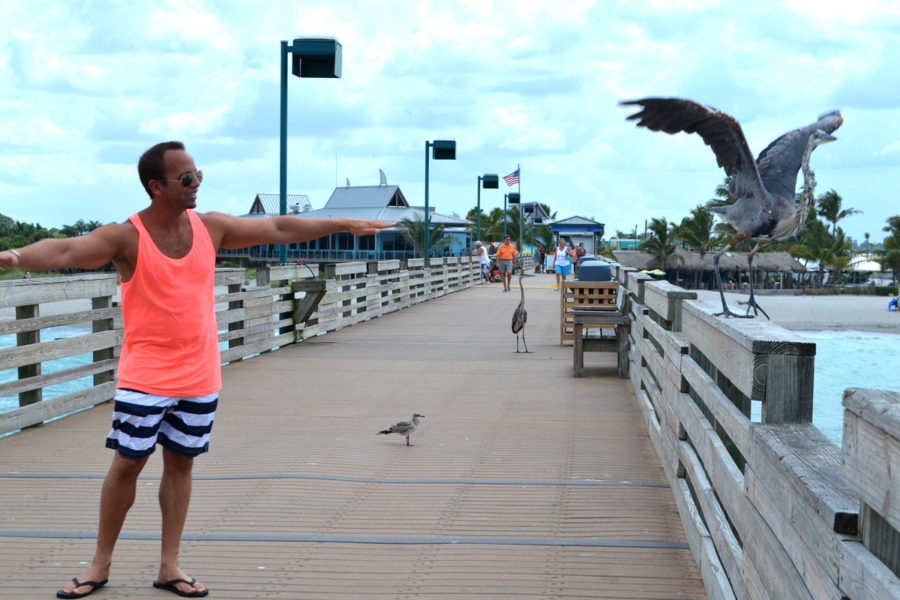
(730, 261)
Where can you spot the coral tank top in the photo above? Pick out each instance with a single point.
(171, 345)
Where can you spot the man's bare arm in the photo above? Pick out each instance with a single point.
(233, 232)
(90, 251)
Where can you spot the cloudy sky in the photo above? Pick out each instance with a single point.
(88, 86)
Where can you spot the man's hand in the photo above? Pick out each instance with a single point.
(9, 259)
(361, 227)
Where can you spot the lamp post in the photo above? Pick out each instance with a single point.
(441, 150)
(516, 198)
(313, 57)
(489, 182)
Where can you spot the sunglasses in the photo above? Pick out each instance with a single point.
(188, 178)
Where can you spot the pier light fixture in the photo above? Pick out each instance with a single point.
(440, 150)
(311, 57)
(488, 182)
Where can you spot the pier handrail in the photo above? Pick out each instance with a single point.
(283, 305)
(769, 507)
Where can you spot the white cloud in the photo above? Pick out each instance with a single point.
(531, 82)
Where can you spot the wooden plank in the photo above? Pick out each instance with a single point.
(80, 317)
(820, 577)
(728, 549)
(862, 575)
(871, 449)
(20, 292)
(59, 348)
(726, 414)
(770, 561)
(810, 464)
(50, 409)
(720, 468)
(47, 379)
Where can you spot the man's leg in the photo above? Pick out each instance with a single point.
(174, 499)
(116, 498)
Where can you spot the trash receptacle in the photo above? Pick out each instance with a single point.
(594, 270)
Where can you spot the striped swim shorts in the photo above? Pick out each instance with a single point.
(181, 424)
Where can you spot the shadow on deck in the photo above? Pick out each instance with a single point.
(522, 480)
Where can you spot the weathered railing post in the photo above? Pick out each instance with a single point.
(234, 280)
(97, 326)
(869, 458)
(26, 338)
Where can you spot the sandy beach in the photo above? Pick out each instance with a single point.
(818, 313)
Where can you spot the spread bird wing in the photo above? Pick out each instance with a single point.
(779, 163)
(720, 131)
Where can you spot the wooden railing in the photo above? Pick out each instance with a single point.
(284, 305)
(768, 508)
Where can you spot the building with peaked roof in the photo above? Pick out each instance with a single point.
(270, 204)
(379, 202)
(577, 230)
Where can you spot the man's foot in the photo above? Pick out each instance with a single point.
(80, 589)
(183, 588)
(92, 579)
(181, 584)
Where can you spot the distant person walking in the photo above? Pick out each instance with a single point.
(563, 261)
(539, 255)
(506, 256)
(169, 372)
(485, 261)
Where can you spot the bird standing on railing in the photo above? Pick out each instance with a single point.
(404, 427)
(765, 188)
(520, 316)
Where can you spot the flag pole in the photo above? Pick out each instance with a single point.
(521, 221)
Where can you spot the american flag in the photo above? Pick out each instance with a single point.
(512, 178)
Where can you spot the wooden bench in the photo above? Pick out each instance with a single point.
(587, 317)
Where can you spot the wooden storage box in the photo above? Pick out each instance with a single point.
(599, 295)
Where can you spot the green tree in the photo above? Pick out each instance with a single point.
(696, 230)
(889, 255)
(414, 231)
(661, 244)
(829, 208)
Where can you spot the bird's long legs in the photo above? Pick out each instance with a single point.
(751, 301)
(523, 343)
(726, 312)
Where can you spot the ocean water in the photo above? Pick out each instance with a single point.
(51, 333)
(844, 359)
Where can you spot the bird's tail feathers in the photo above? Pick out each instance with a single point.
(385, 431)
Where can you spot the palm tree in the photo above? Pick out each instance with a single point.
(890, 255)
(829, 206)
(661, 243)
(414, 231)
(696, 230)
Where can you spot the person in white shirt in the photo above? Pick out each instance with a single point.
(482, 253)
(564, 257)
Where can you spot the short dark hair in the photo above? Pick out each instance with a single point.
(152, 164)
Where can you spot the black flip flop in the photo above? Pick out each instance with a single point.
(96, 585)
(169, 586)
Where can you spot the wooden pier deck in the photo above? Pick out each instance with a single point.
(522, 481)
